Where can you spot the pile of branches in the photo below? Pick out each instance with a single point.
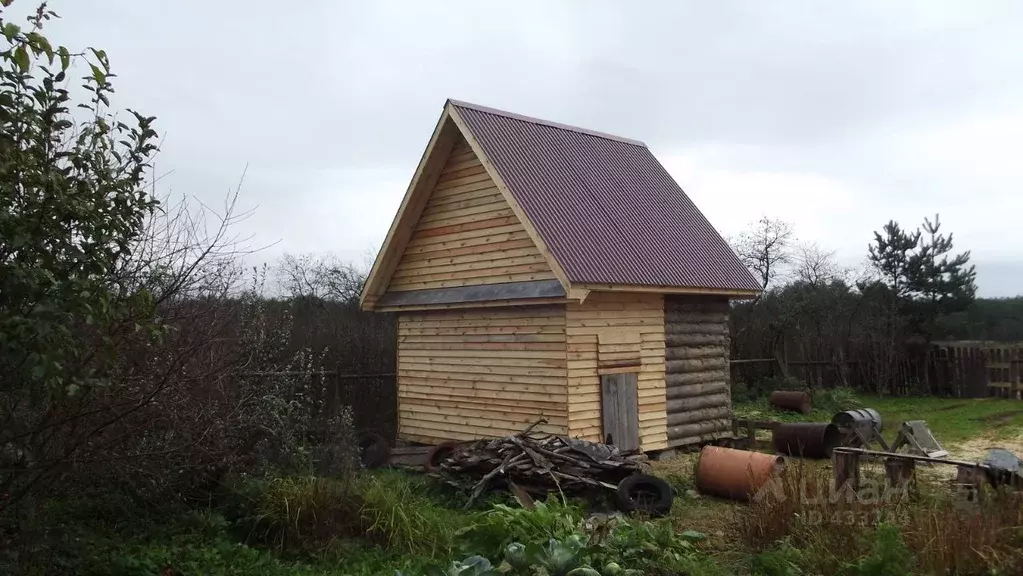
(535, 464)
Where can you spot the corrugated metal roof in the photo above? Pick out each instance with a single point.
(607, 209)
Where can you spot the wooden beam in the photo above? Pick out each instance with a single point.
(416, 196)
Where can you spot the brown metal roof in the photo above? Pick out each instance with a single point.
(607, 209)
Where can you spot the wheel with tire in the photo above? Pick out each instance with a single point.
(644, 493)
(373, 450)
(437, 454)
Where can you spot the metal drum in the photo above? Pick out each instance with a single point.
(791, 400)
(808, 440)
(858, 417)
(736, 474)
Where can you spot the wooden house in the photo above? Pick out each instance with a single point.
(545, 271)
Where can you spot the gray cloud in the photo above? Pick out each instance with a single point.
(837, 116)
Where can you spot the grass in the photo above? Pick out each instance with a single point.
(951, 420)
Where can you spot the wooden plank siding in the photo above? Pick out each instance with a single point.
(606, 326)
(486, 372)
(468, 234)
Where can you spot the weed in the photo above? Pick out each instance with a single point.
(396, 512)
(888, 555)
(877, 532)
(782, 560)
(833, 400)
(305, 512)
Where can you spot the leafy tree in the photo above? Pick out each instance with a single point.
(73, 202)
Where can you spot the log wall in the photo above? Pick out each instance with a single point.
(467, 234)
(699, 403)
(610, 329)
(477, 373)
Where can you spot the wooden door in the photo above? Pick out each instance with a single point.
(620, 408)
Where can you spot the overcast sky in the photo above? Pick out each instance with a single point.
(835, 116)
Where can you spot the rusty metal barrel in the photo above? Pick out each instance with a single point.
(808, 440)
(736, 474)
(791, 400)
(858, 416)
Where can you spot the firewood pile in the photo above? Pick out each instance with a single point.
(535, 464)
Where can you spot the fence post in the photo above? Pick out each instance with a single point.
(847, 470)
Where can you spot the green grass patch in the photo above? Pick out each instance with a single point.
(951, 419)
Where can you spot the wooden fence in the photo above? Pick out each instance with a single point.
(1000, 364)
(963, 369)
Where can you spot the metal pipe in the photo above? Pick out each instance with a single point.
(808, 440)
(791, 400)
(736, 474)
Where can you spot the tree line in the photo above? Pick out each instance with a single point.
(873, 329)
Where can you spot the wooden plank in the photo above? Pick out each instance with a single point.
(495, 263)
(518, 277)
(481, 197)
(455, 164)
(468, 236)
(449, 190)
(470, 416)
(505, 223)
(448, 245)
(528, 351)
(446, 182)
(450, 175)
(491, 360)
(481, 251)
(506, 395)
(472, 216)
(438, 216)
(499, 402)
(523, 318)
(488, 346)
(410, 334)
(484, 339)
(451, 430)
(470, 271)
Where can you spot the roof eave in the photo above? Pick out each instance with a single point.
(734, 293)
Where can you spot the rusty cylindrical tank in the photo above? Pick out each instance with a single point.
(859, 416)
(808, 440)
(791, 400)
(736, 474)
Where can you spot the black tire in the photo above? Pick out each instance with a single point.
(437, 454)
(373, 450)
(644, 493)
